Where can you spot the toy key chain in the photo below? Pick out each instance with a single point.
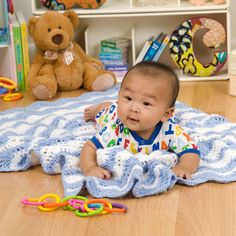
(6, 88)
(81, 206)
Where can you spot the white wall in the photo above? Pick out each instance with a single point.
(25, 6)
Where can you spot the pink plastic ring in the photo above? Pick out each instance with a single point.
(32, 202)
(77, 204)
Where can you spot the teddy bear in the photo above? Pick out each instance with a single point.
(59, 62)
(67, 4)
(202, 2)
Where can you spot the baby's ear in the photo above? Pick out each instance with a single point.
(168, 113)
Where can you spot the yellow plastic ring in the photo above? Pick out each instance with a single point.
(101, 201)
(49, 195)
(7, 83)
(12, 97)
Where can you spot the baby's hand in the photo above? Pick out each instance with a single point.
(182, 172)
(187, 165)
(98, 172)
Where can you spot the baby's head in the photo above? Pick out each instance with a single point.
(147, 95)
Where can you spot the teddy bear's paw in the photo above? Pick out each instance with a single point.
(198, 2)
(219, 1)
(103, 82)
(42, 92)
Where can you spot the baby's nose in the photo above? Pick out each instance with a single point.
(134, 107)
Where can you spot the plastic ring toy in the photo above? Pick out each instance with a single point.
(90, 213)
(55, 204)
(182, 50)
(116, 207)
(31, 201)
(69, 207)
(7, 83)
(50, 195)
(77, 204)
(10, 97)
(102, 201)
(3, 90)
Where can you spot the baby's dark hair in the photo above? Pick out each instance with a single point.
(157, 70)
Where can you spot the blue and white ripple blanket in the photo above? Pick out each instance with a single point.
(51, 134)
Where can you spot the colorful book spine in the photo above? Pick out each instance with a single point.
(117, 67)
(114, 62)
(110, 50)
(116, 42)
(24, 37)
(13, 54)
(108, 56)
(18, 53)
(154, 48)
(144, 50)
(162, 47)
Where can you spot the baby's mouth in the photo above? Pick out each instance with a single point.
(133, 120)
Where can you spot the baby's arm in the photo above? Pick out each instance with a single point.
(187, 165)
(88, 162)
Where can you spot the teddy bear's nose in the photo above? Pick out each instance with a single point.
(57, 39)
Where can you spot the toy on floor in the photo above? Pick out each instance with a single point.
(67, 4)
(82, 206)
(181, 46)
(202, 2)
(7, 87)
(59, 62)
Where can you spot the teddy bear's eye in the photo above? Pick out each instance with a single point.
(59, 27)
(49, 29)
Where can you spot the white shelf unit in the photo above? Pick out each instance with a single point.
(122, 18)
(7, 65)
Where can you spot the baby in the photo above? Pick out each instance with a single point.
(141, 121)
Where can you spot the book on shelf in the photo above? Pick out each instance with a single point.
(24, 41)
(144, 50)
(113, 50)
(12, 52)
(162, 47)
(109, 56)
(115, 42)
(123, 67)
(154, 47)
(18, 53)
(114, 62)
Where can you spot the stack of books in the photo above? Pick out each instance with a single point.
(114, 55)
(19, 48)
(153, 48)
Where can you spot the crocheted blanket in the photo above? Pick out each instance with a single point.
(51, 134)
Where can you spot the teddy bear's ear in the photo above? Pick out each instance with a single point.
(73, 17)
(31, 25)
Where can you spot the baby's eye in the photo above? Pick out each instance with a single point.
(146, 104)
(128, 98)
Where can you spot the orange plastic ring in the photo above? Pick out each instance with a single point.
(7, 83)
(55, 204)
(102, 201)
(12, 97)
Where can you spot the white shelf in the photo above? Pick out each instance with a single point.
(122, 18)
(121, 7)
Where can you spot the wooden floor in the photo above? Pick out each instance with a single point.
(204, 210)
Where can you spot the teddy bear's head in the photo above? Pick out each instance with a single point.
(53, 30)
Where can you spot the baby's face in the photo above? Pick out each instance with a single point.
(143, 102)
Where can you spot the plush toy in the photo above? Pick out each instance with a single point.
(67, 4)
(60, 63)
(202, 2)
